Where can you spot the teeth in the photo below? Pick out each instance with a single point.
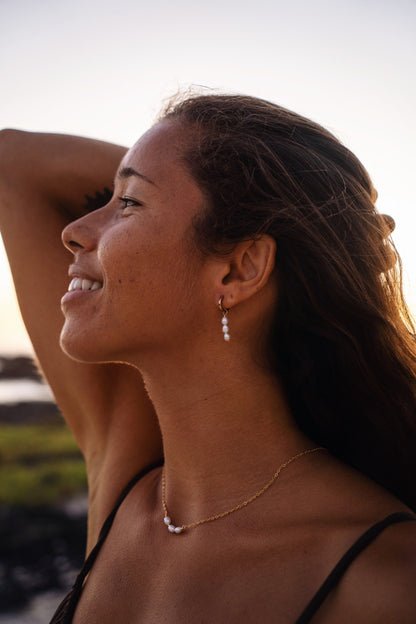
(83, 284)
(76, 284)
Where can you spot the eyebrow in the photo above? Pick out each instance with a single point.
(127, 172)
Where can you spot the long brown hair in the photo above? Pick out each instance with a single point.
(342, 341)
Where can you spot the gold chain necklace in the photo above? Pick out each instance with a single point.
(179, 529)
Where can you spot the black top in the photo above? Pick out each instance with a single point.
(66, 609)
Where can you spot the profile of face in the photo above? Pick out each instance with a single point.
(146, 282)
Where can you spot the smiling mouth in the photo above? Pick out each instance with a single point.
(77, 283)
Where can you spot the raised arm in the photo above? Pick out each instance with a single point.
(47, 180)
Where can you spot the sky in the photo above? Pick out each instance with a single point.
(103, 69)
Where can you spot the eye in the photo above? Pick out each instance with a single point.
(128, 203)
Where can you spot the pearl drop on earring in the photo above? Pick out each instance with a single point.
(225, 329)
(224, 320)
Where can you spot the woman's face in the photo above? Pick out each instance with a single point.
(146, 279)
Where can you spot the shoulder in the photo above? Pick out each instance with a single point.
(379, 586)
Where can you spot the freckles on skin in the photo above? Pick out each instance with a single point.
(149, 245)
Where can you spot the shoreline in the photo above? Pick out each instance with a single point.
(42, 545)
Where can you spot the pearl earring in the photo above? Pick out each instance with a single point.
(224, 319)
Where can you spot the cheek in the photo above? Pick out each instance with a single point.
(120, 258)
(152, 270)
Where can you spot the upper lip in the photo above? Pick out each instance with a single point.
(77, 271)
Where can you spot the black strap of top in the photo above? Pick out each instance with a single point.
(66, 609)
(335, 576)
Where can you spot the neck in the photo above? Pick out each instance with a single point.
(224, 432)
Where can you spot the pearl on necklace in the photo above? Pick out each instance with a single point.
(171, 527)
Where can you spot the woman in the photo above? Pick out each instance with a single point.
(241, 266)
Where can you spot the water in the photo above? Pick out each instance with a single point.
(23, 391)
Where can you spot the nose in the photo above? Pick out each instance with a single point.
(82, 233)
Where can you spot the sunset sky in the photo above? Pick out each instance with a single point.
(102, 69)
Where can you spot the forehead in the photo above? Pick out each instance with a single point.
(157, 155)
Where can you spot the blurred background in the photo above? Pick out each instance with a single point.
(103, 69)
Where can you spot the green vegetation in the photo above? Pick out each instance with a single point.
(39, 465)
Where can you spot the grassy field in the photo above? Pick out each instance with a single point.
(39, 465)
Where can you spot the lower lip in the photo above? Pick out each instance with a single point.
(76, 294)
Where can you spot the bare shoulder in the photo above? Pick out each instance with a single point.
(385, 575)
(379, 586)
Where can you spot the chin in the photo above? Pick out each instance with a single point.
(81, 348)
(89, 349)
(78, 353)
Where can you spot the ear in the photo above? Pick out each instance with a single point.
(247, 270)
